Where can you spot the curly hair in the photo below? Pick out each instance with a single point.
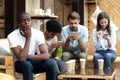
(53, 26)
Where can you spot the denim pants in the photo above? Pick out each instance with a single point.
(28, 67)
(107, 55)
(61, 65)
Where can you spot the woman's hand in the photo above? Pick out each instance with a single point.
(106, 36)
(98, 34)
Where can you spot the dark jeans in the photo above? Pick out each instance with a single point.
(107, 55)
(28, 67)
(61, 66)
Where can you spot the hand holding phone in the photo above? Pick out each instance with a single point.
(106, 34)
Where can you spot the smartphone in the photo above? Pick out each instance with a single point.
(74, 32)
(60, 42)
(106, 34)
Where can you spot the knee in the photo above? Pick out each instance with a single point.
(52, 63)
(83, 55)
(65, 54)
(108, 56)
(96, 56)
(26, 65)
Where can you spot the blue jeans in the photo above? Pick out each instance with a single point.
(107, 55)
(61, 65)
(28, 67)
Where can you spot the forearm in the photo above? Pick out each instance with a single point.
(109, 43)
(44, 56)
(22, 56)
(50, 49)
(82, 45)
(54, 54)
(66, 45)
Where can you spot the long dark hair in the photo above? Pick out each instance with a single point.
(101, 16)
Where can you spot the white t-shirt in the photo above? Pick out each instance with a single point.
(15, 39)
(49, 43)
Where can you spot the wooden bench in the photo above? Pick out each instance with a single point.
(115, 64)
(7, 62)
(8, 65)
(4, 76)
(90, 58)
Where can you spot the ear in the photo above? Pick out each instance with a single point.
(79, 20)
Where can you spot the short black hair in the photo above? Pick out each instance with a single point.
(54, 26)
(22, 14)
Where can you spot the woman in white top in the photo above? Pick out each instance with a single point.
(104, 40)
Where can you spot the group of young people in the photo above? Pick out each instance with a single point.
(35, 51)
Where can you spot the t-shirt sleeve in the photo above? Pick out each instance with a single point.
(40, 38)
(12, 41)
(85, 37)
(63, 35)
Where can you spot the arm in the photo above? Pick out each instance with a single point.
(107, 37)
(54, 54)
(44, 53)
(81, 43)
(111, 40)
(53, 49)
(66, 43)
(22, 53)
(96, 39)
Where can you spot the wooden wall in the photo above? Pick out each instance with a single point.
(112, 8)
(62, 10)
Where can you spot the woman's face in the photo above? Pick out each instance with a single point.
(103, 23)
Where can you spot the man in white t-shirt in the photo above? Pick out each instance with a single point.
(53, 28)
(23, 42)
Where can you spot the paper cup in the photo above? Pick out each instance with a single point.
(100, 63)
(82, 63)
(73, 63)
(69, 66)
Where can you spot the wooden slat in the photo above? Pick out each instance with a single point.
(60, 77)
(5, 67)
(6, 77)
(9, 64)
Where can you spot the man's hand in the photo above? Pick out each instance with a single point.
(54, 45)
(27, 32)
(75, 36)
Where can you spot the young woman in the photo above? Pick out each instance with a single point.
(104, 40)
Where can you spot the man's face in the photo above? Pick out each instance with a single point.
(51, 35)
(24, 21)
(74, 24)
